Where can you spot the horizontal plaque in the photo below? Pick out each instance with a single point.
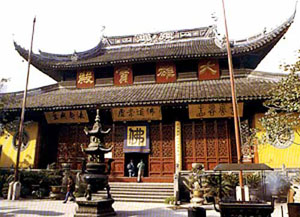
(73, 116)
(213, 110)
(137, 113)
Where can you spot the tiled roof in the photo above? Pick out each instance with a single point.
(172, 45)
(57, 97)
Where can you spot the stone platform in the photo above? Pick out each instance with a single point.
(94, 208)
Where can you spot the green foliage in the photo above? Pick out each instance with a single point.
(195, 177)
(4, 174)
(285, 95)
(44, 179)
(280, 121)
(253, 180)
(213, 187)
(5, 119)
(170, 200)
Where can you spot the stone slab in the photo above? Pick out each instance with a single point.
(94, 208)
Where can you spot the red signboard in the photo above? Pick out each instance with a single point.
(208, 70)
(165, 72)
(85, 79)
(123, 75)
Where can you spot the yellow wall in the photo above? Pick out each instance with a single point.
(275, 157)
(9, 153)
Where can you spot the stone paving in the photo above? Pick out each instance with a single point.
(43, 208)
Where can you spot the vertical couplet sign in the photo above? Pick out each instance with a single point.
(137, 139)
(178, 148)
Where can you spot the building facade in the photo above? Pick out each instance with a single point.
(166, 97)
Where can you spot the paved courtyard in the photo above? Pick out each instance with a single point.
(39, 208)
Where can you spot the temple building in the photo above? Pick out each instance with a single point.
(166, 97)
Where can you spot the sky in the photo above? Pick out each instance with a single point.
(63, 26)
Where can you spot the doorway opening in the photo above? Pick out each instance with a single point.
(136, 158)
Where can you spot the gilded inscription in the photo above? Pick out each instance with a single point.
(208, 67)
(85, 78)
(123, 73)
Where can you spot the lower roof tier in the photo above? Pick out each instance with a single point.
(56, 96)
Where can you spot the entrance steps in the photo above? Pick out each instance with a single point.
(139, 192)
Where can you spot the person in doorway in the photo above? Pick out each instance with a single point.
(70, 190)
(131, 168)
(141, 168)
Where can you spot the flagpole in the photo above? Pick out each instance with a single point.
(20, 138)
(234, 104)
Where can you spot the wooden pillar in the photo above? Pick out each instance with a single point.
(178, 147)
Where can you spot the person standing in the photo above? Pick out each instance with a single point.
(70, 190)
(131, 169)
(141, 168)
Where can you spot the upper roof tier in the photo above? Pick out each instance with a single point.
(170, 45)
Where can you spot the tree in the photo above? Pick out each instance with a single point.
(6, 122)
(282, 118)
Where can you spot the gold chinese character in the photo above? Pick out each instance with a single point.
(124, 73)
(136, 137)
(208, 66)
(85, 78)
(166, 71)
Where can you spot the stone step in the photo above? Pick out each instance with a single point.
(139, 200)
(132, 199)
(143, 194)
(134, 190)
(140, 185)
(139, 192)
(134, 196)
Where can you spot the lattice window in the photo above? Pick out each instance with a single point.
(168, 140)
(119, 141)
(63, 134)
(199, 140)
(155, 141)
(62, 152)
(73, 134)
(187, 139)
(210, 138)
(222, 138)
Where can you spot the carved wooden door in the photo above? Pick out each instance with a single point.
(161, 160)
(207, 142)
(69, 141)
